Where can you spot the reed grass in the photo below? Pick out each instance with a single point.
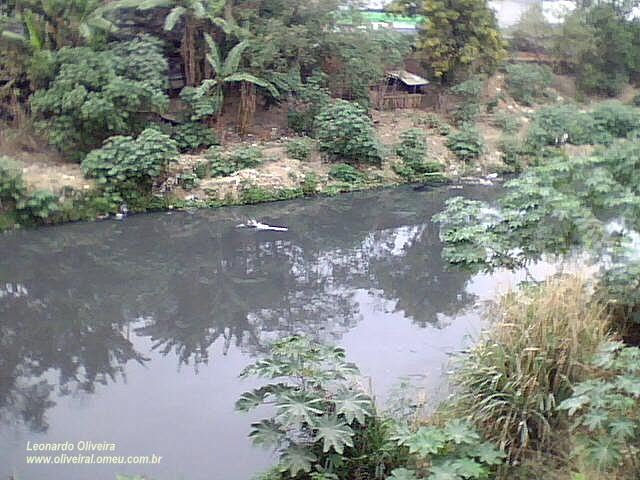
(538, 345)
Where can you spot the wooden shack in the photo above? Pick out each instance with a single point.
(399, 89)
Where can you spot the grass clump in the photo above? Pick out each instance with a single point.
(507, 122)
(512, 382)
(346, 173)
(300, 148)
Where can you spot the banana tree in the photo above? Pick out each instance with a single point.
(53, 24)
(195, 14)
(228, 71)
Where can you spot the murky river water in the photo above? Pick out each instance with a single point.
(134, 332)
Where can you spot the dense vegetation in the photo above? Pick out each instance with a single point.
(551, 388)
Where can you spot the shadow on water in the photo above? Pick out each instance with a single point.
(80, 304)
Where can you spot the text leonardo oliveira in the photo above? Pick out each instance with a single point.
(84, 452)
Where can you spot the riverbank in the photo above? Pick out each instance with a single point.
(188, 182)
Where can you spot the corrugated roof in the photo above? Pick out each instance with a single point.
(408, 78)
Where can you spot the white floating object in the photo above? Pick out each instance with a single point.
(262, 226)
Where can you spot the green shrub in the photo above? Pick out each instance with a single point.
(345, 173)
(469, 92)
(322, 416)
(454, 451)
(615, 119)
(527, 82)
(413, 146)
(310, 184)
(300, 148)
(192, 136)
(246, 157)
(12, 186)
(550, 125)
(125, 164)
(311, 97)
(345, 131)
(606, 413)
(38, 207)
(97, 94)
(507, 122)
(466, 143)
(221, 164)
(188, 181)
(411, 150)
(512, 152)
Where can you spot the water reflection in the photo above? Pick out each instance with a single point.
(74, 297)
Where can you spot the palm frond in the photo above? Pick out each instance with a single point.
(197, 7)
(260, 82)
(213, 57)
(173, 17)
(234, 56)
(149, 4)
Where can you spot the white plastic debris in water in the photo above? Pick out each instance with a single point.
(252, 223)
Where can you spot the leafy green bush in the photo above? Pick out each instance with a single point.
(310, 98)
(221, 164)
(455, 452)
(551, 124)
(38, 207)
(507, 122)
(310, 184)
(300, 148)
(12, 186)
(102, 92)
(126, 164)
(469, 92)
(322, 414)
(345, 173)
(606, 413)
(345, 131)
(246, 157)
(607, 121)
(192, 136)
(96, 94)
(411, 150)
(527, 82)
(413, 146)
(466, 143)
(512, 152)
(615, 119)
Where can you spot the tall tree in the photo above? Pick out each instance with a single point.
(457, 37)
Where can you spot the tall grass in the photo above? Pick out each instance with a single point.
(538, 344)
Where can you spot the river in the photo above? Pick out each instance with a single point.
(133, 333)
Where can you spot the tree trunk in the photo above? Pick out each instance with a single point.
(247, 106)
(188, 50)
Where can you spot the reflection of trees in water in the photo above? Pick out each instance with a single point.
(195, 280)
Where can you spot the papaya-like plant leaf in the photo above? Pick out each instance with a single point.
(297, 459)
(426, 441)
(298, 407)
(267, 433)
(334, 433)
(353, 405)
